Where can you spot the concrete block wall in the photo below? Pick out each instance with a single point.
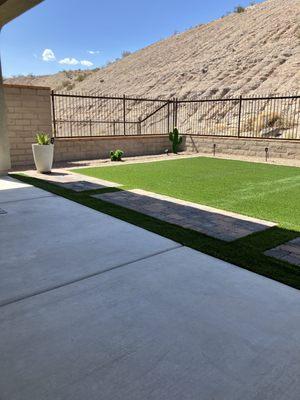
(99, 147)
(28, 110)
(278, 148)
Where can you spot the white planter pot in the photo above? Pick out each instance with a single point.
(43, 157)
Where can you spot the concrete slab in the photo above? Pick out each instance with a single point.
(180, 325)
(13, 190)
(47, 241)
(220, 224)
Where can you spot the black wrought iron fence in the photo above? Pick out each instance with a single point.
(89, 115)
(76, 115)
(273, 116)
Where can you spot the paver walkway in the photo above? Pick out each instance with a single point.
(219, 224)
(68, 180)
(289, 252)
(95, 308)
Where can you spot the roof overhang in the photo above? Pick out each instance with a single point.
(10, 9)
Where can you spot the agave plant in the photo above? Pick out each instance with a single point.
(43, 139)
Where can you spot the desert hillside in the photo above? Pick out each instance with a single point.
(255, 51)
(64, 80)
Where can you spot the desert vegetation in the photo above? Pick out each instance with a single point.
(267, 121)
(126, 53)
(239, 9)
(67, 85)
(80, 77)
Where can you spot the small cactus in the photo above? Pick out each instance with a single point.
(176, 140)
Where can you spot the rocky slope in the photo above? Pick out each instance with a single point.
(256, 51)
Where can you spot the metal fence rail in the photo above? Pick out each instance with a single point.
(87, 115)
(77, 115)
(276, 116)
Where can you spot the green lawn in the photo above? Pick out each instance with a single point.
(264, 191)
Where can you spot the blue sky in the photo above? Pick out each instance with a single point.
(89, 33)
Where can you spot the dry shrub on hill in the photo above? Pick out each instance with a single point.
(266, 120)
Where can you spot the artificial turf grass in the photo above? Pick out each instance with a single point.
(243, 252)
(269, 192)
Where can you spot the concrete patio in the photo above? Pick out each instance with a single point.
(95, 308)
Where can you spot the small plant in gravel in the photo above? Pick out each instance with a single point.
(116, 155)
(176, 140)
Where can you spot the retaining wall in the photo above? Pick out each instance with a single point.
(99, 147)
(277, 148)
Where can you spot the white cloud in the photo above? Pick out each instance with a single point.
(86, 63)
(48, 55)
(69, 61)
(93, 51)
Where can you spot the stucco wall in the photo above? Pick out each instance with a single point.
(28, 111)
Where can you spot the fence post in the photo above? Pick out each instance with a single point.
(90, 127)
(168, 120)
(53, 113)
(175, 105)
(124, 114)
(173, 113)
(240, 115)
(114, 127)
(176, 113)
(140, 126)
